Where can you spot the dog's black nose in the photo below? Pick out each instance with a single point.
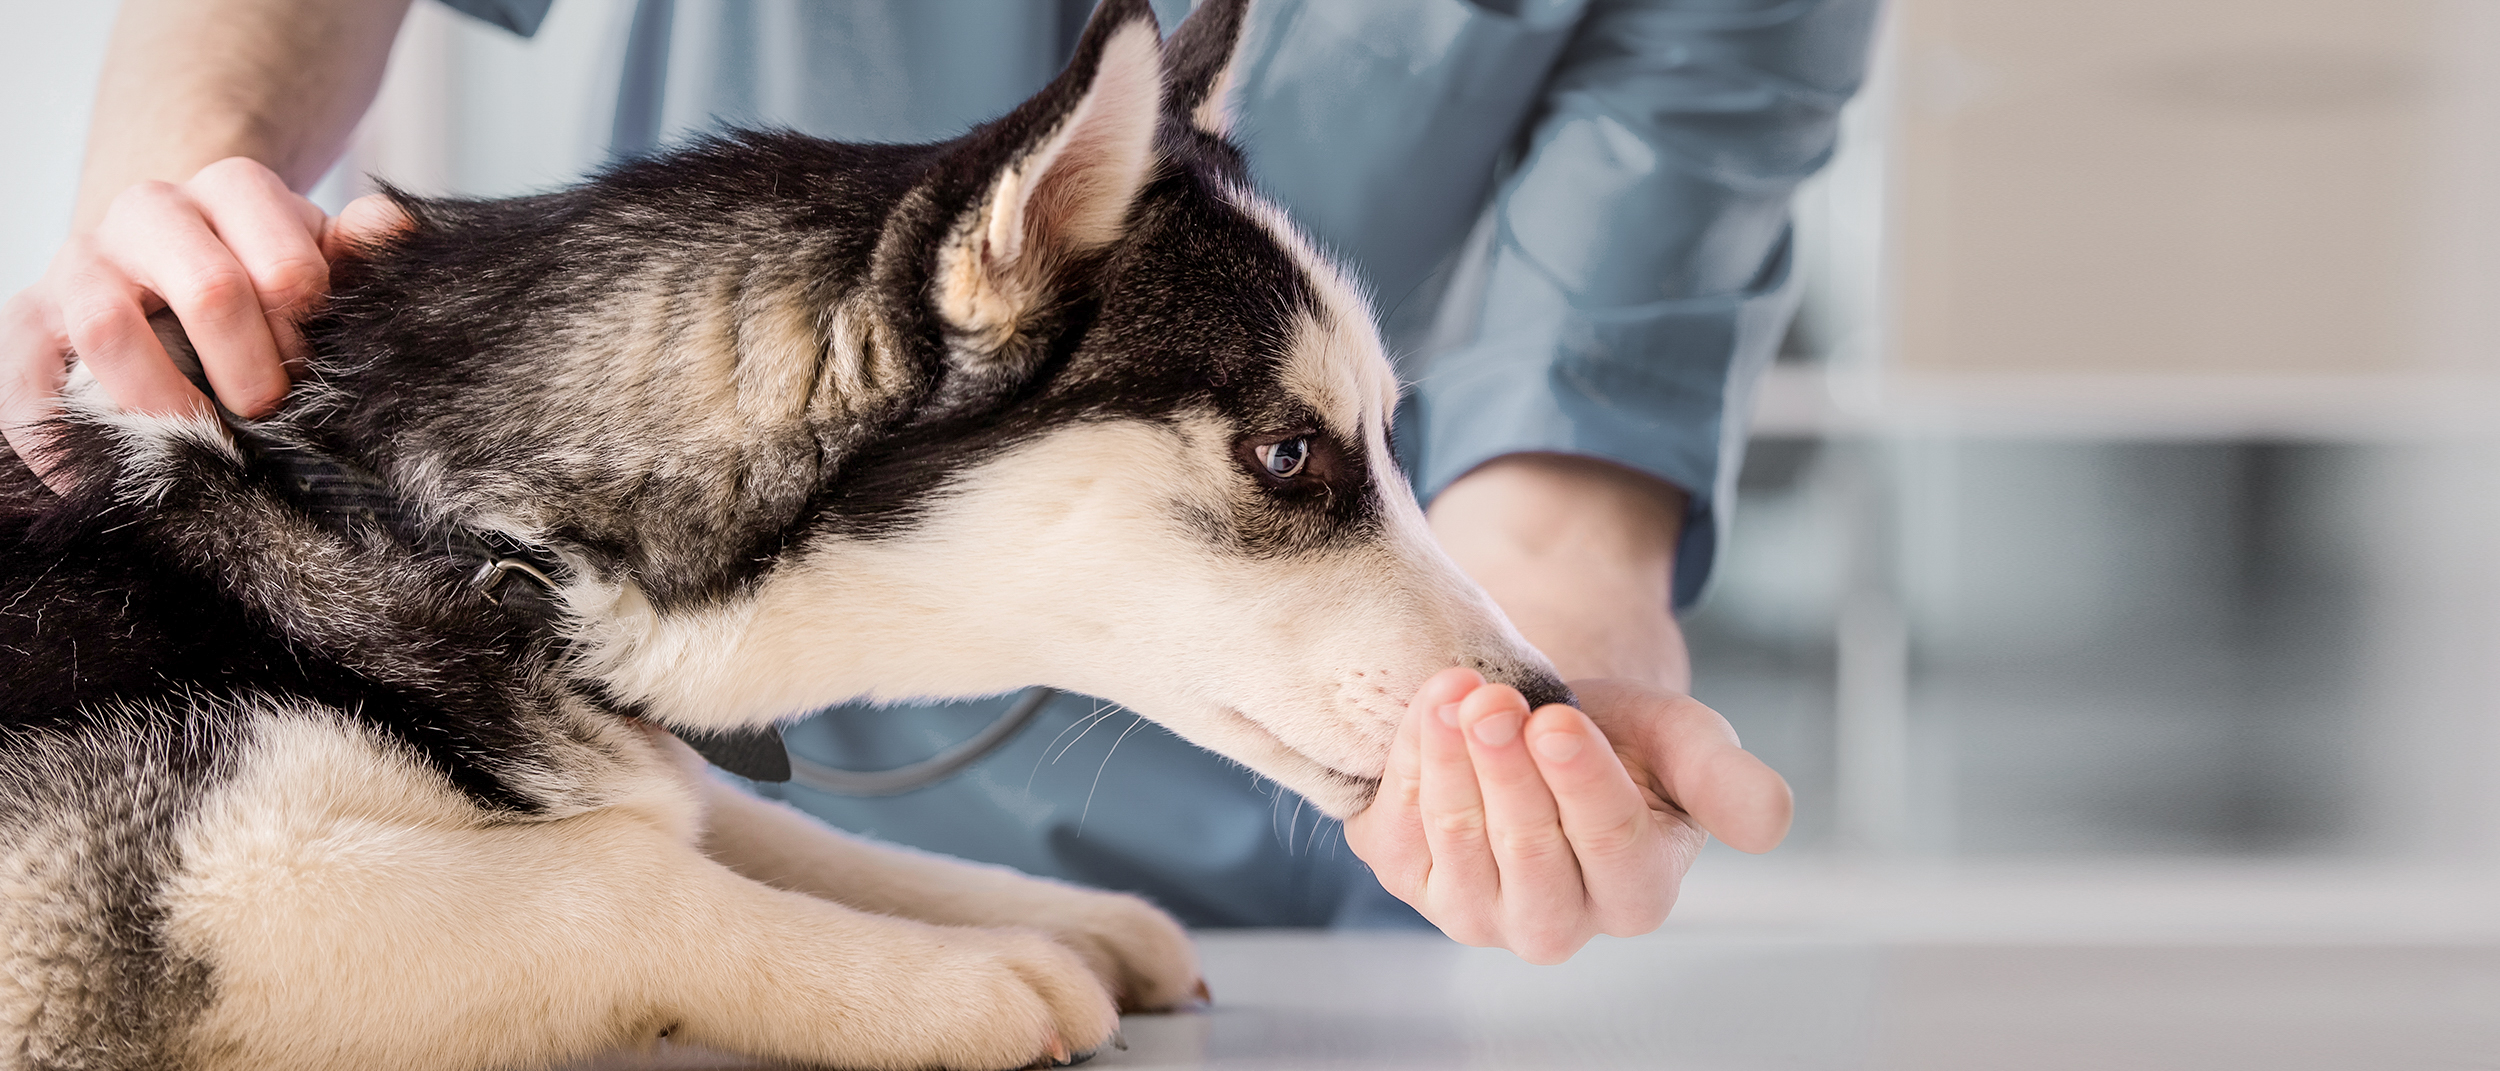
(1537, 684)
(1541, 688)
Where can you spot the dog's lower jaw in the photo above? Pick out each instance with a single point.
(1337, 793)
(1356, 794)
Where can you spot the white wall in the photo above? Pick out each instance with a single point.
(49, 55)
(470, 109)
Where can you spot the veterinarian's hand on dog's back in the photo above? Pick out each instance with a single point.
(208, 118)
(233, 252)
(1537, 830)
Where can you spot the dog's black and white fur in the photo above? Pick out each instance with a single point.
(1060, 401)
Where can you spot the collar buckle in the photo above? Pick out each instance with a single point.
(492, 575)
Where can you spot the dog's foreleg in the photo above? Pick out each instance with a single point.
(781, 974)
(393, 927)
(534, 944)
(1140, 952)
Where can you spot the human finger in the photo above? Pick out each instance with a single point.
(1388, 835)
(1544, 906)
(1694, 756)
(366, 220)
(104, 323)
(1465, 888)
(275, 234)
(33, 356)
(1629, 864)
(162, 241)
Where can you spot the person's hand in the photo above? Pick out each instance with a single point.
(1535, 831)
(233, 252)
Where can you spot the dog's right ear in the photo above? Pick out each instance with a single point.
(1059, 176)
(1198, 64)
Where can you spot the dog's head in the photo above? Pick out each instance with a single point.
(1148, 459)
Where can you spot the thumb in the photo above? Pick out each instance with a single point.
(1693, 755)
(367, 220)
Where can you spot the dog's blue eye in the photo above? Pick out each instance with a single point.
(1285, 460)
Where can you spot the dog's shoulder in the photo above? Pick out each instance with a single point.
(215, 589)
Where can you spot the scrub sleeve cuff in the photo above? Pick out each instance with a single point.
(1664, 388)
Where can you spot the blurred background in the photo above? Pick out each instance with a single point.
(2117, 544)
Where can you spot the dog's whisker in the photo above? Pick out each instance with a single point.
(1099, 716)
(1138, 719)
(1045, 752)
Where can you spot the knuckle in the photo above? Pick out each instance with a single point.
(1534, 844)
(146, 196)
(231, 171)
(79, 259)
(1520, 776)
(1465, 824)
(220, 290)
(1615, 838)
(292, 279)
(92, 323)
(254, 397)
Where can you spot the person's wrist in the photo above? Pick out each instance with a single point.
(1580, 553)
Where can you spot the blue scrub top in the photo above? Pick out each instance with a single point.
(1572, 216)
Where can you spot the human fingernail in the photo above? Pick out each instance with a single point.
(1498, 729)
(1556, 747)
(1449, 714)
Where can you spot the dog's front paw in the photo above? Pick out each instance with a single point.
(1141, 954)
(1031, 1002)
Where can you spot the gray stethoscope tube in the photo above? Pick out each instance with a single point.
(928, 771)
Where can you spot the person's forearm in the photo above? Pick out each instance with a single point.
(190, 82)
(1581, 554)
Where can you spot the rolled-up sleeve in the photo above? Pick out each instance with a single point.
(1634, 269)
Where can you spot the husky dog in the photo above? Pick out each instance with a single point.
(784, 423)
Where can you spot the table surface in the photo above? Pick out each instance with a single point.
(1738, 1000)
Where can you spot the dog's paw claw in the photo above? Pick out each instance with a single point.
(1055, 1053)
(1142, 955)
(1200, 992)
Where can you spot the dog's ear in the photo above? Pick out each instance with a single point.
(1061, 172)
(1198, 64)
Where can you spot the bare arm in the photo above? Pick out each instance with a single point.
(210, 118)
(190, 82)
